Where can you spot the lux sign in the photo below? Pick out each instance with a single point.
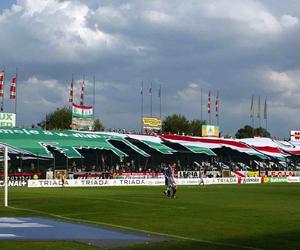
(7, 120)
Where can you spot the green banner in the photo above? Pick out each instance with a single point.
(200, 150)
(35, 141)
(159, 147)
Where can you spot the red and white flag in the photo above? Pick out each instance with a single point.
(1, 83)
(217, 105)
(208, 103)
(13, 87)
(82, 93)
(71, 91)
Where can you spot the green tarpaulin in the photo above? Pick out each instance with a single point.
(35, 141)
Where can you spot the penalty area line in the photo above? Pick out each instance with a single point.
(111, 225)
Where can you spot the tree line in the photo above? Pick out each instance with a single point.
(174, 124)
(61, 118)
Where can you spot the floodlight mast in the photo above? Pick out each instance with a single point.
(5, 176)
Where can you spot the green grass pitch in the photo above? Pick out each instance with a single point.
(211, 217)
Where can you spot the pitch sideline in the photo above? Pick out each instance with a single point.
(137, 230)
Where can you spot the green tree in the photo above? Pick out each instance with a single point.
(98, 125)
(196, 127)
(249, 132)
(62, 119)
(59, 119)
(175, 124)
(262, 132)
(246, 132)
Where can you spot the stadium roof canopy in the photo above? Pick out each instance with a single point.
(36, 142)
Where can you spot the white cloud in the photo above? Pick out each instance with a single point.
(282, 82)
(186, 45)
(43, 92)
(193, 85)
(289, 21)
(52, 28)
(284, 90)
(158, 17)
(189, 94)
(246, 13)
(107, 16)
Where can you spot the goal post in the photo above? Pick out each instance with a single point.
(5, 177)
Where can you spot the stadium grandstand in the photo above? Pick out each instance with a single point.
(36, 153)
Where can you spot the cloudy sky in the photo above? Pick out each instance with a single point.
(237, 47)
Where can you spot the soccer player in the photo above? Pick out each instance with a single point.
(201, 181)
(171, 180)
(167, 171)
(63, 180)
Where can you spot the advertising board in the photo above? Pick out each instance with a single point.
(152, 123)
(7, 120)
(210, 131)
(82, 117)
(189, 174)
(295, 135)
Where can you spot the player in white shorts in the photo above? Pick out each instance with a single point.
(171, 180)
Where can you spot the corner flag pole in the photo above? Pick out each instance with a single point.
(5, 176)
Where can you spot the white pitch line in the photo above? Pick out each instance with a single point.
(22, 225)
(10, 220)
(140, 230)
(7, 235)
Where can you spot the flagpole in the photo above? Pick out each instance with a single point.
(3, 87)
(82, 95)
(72, 100)
(151, 100)
(16, 102)
(83, 89)
(94, 96)
(142, 106)
(160, 101)
(218, 105)
(72, 83)
(209, 107)
(258, 112)
(201, 106)
(252, 111)
(265, 113)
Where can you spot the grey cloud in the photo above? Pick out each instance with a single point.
(228, 46)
